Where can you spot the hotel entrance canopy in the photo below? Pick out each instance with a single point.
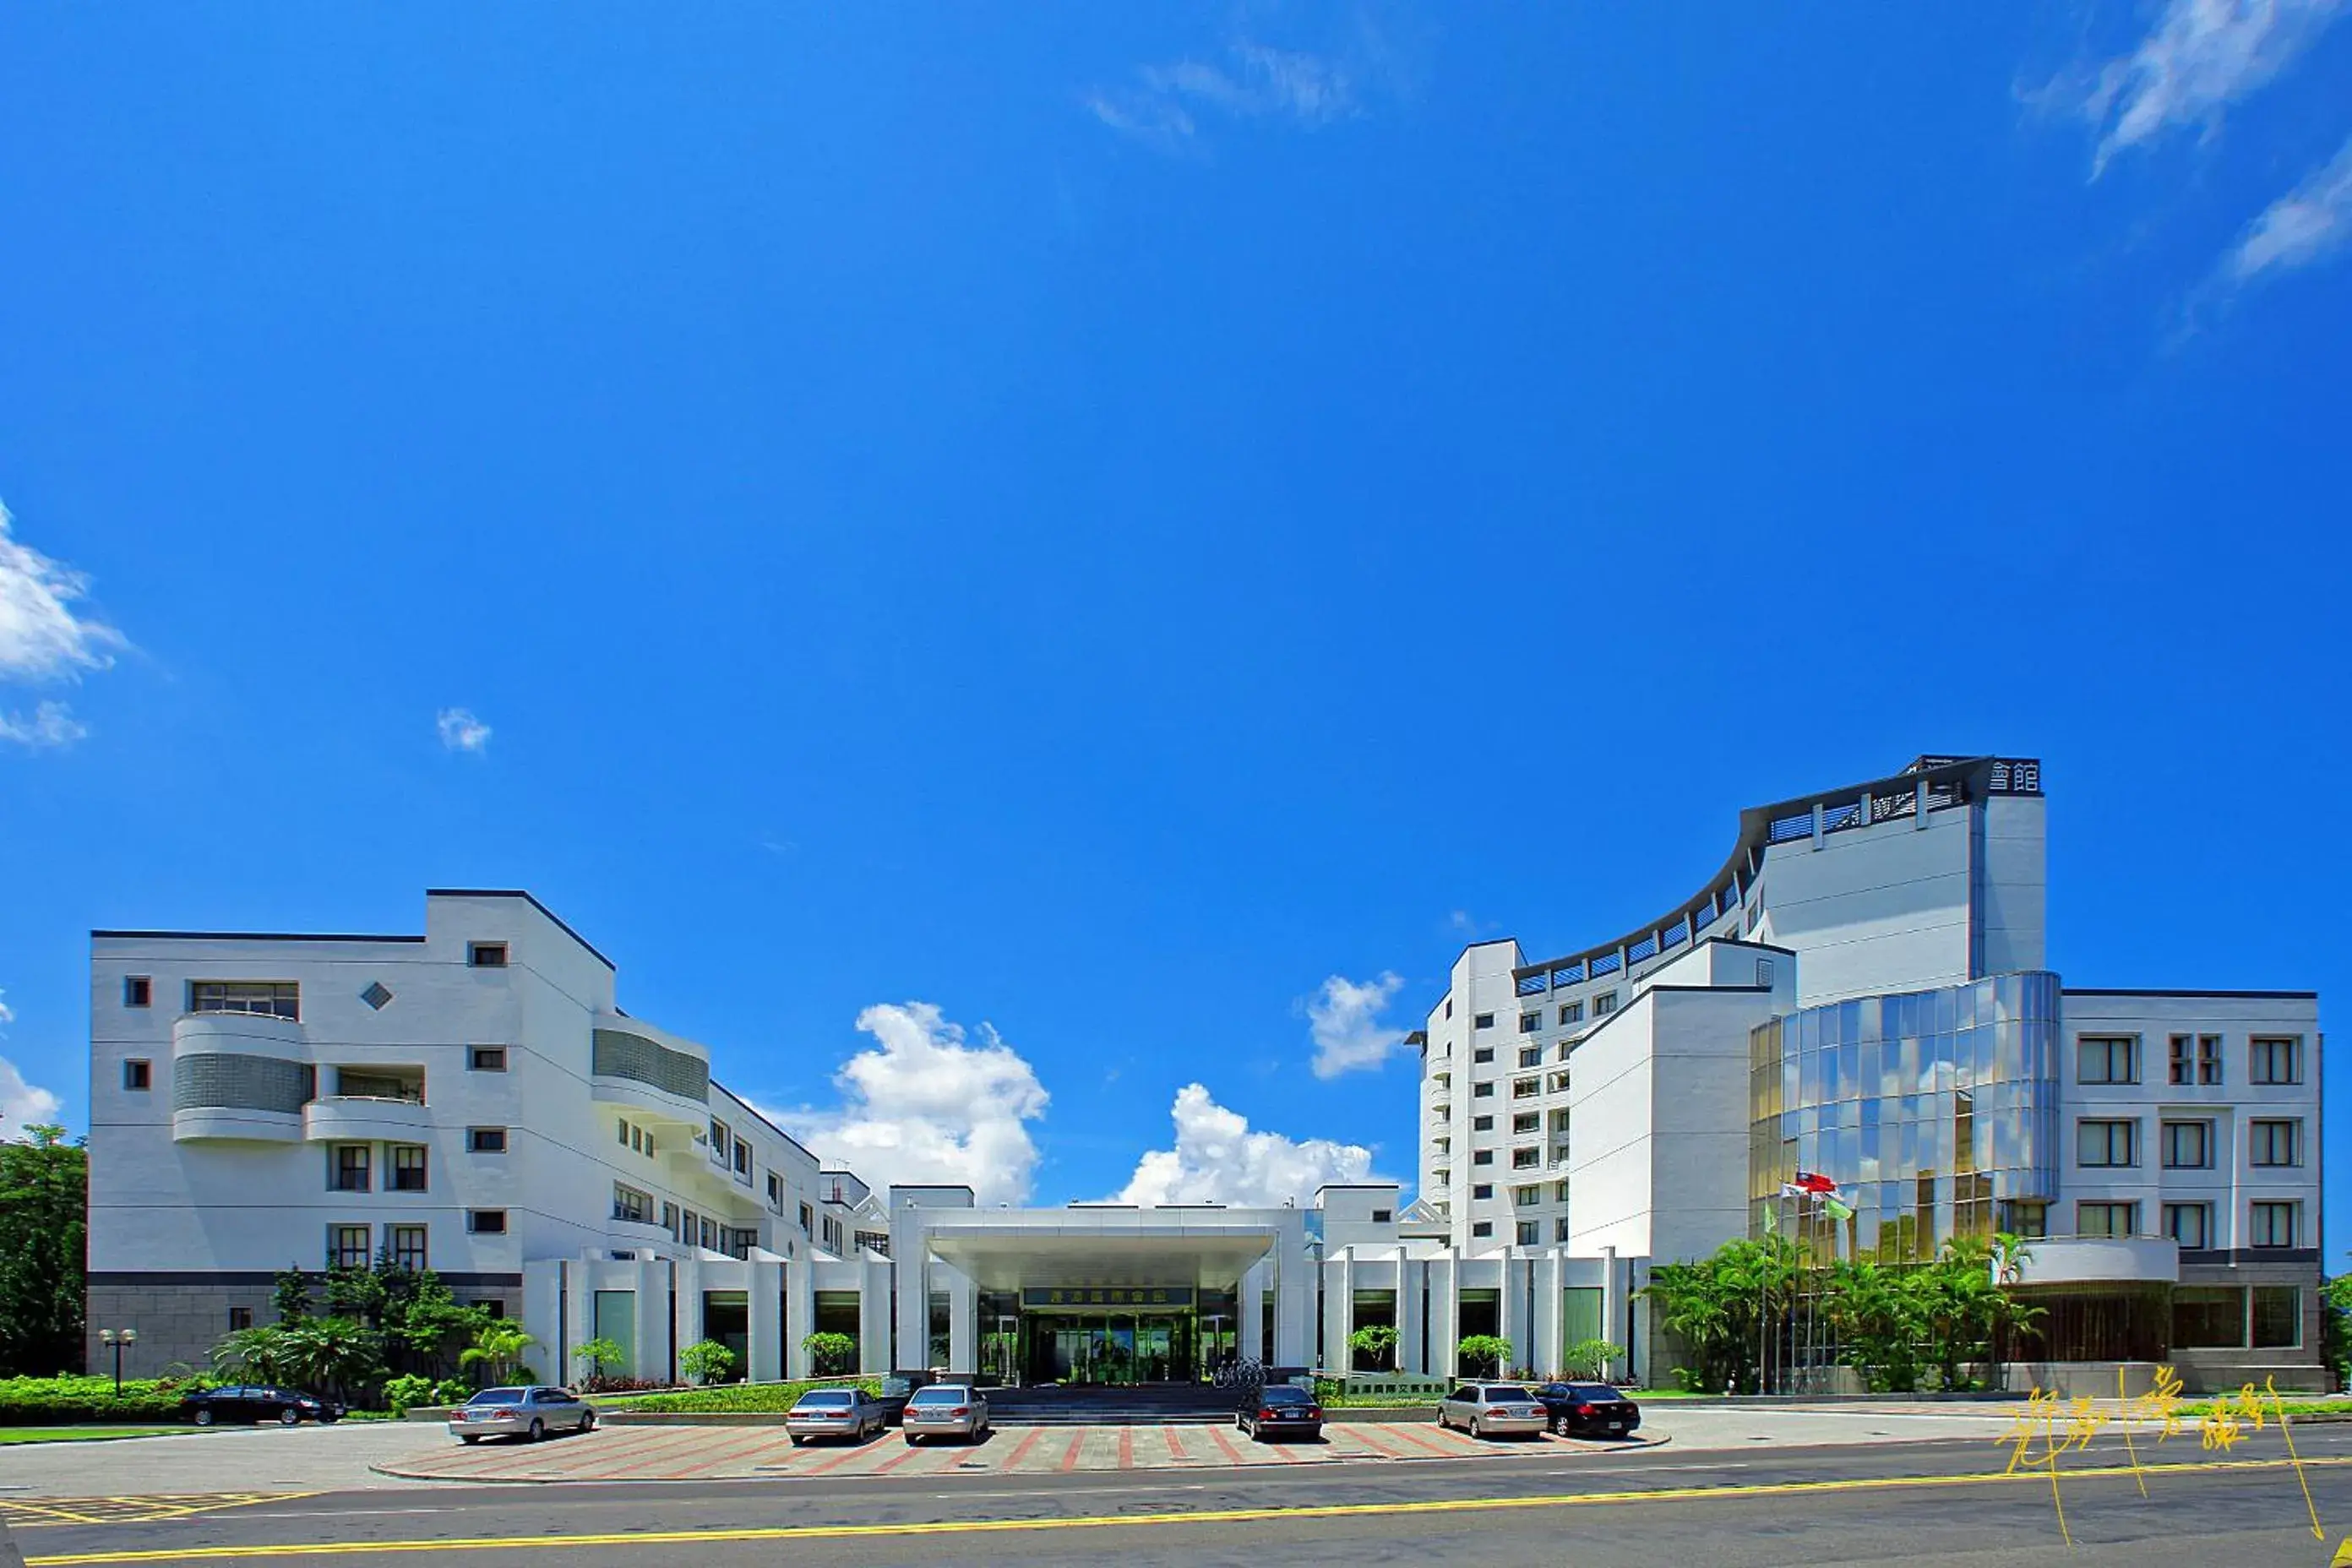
(1203, 1248)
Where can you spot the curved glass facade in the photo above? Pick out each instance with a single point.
(1933, 1111)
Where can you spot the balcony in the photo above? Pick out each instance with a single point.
(361, 1118)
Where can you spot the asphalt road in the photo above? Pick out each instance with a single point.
(1933, 1502)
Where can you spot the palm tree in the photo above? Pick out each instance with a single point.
(259, 1354)
(335, 1355)
(498, 1345)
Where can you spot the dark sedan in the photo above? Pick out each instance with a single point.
(1588, 1410)
(1281, 1411)
(251, 1402)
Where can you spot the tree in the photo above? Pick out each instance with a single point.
(342, 1356)
(1725, 1310)
(44, 1204)
(290, 1294)
(2336, 1326)
(1375, 1346)
(497, 1349)
(1483, 1354)
(1590, 1359)
(262, 1353)
(706, 1360)
(599, 1355)
(829, 1354)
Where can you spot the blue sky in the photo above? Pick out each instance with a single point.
(1101, 521)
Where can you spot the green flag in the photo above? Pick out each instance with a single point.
(1771, 1219)
(1838, 1211)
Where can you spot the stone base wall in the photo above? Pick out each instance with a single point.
(176, 1323)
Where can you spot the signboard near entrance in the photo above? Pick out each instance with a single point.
(1107, 1296)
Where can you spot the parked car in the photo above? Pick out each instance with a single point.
(1493, 1410)
(945, 1410)
(528, 1413)
(1280, 1410)
(1589, 1410)
(849, 1413)
(256, 1402)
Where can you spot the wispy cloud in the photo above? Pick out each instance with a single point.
(461, 732)
(1344, 1020)
(22, 1104)
(1164, 107)
(52, 724)
(1218, 1160)
(2309, 223)
(42, 635)
(2200, 58)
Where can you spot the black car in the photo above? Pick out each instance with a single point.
(254, 1401)
(1281, 1410)
(1588, 1410)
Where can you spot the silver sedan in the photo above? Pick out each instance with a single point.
(529, 1413)
(945, 1410)
(1493, 1410)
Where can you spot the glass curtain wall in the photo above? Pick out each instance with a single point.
(1935, 1111)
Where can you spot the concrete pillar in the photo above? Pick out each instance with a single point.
(914, 1279)
(1411, 1277)
(873, 1345)
(649, 1357)
(1445, 1313)
(963, 1320)
(1249, 1306)
(1551, 1334)
(1612, 1306)
(1295, 1273)
(800, 1312)
(554, 1357)
(1338, 1308)
(1507, 1312)
(543, 1293)
(764, 1322)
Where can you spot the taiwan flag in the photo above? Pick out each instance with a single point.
(1814, 1184)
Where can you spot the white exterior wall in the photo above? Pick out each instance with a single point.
(1873, 910)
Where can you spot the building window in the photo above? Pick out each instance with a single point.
(239, 1318)
(1482, 1227)
(1531, 1057)
(138, 1074)
(2208, 1316)
(1482, 1124)
(1483, 1157)
(1482, 1054)
(1528, 1231)
(1383, 1216)
(1449, 1006)
(2188, 1145)
(1483, 1021)
(1527, 1121)
(2275, 1061)
(1605, 1003)
(271, 998)
(2107, 1220)
(1526, 1159)
(347, 1246)
(1560, 1228)
(1560, 1192)
(1527, 1197)
(408, 1246)
(1556, 1084)
(138, 991)
(487, 1222)
(2209, 1059)
(2278, 1318)
(629, 1203)
(408, 1167)
(485, 954)
(348, 1172)
(742, 1158)
(2029, 1218)
(485, 1139)
(806, 1215)
(1531, 1022)
(718, 1141)
(1571, 1012)
(2273, 1226)
(1481, 1189)
(2107, 1058)
(1764, 974)
(1560, 1120)
(2190, 1225)
(775, 1192)
(1482, 1092)
(621, 1129)
(2177, 1067)
(2107, 1143)
(1525, 1087)
(486, 1058)
(2274, 1144)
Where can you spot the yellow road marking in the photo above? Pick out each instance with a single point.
(1131, 1520)
(25, 1513)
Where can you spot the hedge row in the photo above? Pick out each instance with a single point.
(733, 1398)
(63, 1400)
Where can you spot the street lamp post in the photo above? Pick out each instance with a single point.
(117, 1338)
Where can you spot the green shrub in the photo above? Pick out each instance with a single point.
(735, 1398)
(830, 1353)
(1482, 1354)
(406, 1390)
(1590, 1358)
(452, 1391)
(63, 1401)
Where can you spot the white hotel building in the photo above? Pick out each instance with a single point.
(1860, 990)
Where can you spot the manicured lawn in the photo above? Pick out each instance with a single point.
(84, 1434)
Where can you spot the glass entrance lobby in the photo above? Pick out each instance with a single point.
(1120, 1336)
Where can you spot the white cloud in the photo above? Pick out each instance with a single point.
(2308, 224)
(51, 724)
(22, 1104)
(927, 1106)
(1253, 83)
(461, 732)
(1218, 1160)
(2200, 58)
(7, 1013)
(1343, 1018)
(41, 636)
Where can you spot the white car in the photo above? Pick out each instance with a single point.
(1494, 1410)
(529, 1413)
(945, 1410)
